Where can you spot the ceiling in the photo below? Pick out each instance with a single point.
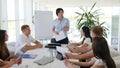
(77, 3)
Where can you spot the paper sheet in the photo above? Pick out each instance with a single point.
(60, 36)
(62, 50)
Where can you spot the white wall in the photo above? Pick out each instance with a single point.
(28, 13)
(78, 3)
(119, 33)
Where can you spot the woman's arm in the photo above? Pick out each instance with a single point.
(53, 30)
(74, 44)
(8, 64)
(85, 64)
(82, 48)
(81, 56)
(68, 64)
(66, 28)
(2, 63)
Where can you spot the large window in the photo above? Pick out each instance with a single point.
(14, 13)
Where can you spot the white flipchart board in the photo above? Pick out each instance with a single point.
(43, 24)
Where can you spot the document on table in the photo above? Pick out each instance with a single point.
(60, 36)
(62, 50)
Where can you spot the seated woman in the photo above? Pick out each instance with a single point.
(6, 60)
(87, 40)
(102, 57)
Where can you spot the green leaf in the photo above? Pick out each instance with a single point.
(92, 7)
(90, 19)
(78, 13)
(82, 9)
(102, 23)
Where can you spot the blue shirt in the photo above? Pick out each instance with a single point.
(59, 26)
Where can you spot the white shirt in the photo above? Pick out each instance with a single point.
(99, 62)
(23, 40)
(59, 26)
(88, 41)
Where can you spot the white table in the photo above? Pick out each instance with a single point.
(42, 52)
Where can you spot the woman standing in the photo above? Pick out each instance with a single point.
(60, 24)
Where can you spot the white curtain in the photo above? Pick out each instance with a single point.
(4, 14)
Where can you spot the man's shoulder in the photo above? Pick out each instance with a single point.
(21, 36)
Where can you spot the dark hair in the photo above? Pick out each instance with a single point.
(86, 31)
(2, 37)
(98, 30)
(101, 51)
(4, 53)
(24, 27)
(58, 10)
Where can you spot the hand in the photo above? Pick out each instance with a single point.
(38, 46)
(25, 47)
(13, 61)
(19, 60)
(57, 33)
(72, 48)
(66, 28)
(68, 64)
(69, 55)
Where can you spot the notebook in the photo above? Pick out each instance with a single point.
(29, 56)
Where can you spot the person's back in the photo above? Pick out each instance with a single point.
(102, 53)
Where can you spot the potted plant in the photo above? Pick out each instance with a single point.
(90, 18)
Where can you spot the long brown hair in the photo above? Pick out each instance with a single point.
(98, 30)
(4, 53)
(101, 51)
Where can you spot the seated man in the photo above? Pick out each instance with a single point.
(24, 40)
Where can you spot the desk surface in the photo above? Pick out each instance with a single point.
(42, 52)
